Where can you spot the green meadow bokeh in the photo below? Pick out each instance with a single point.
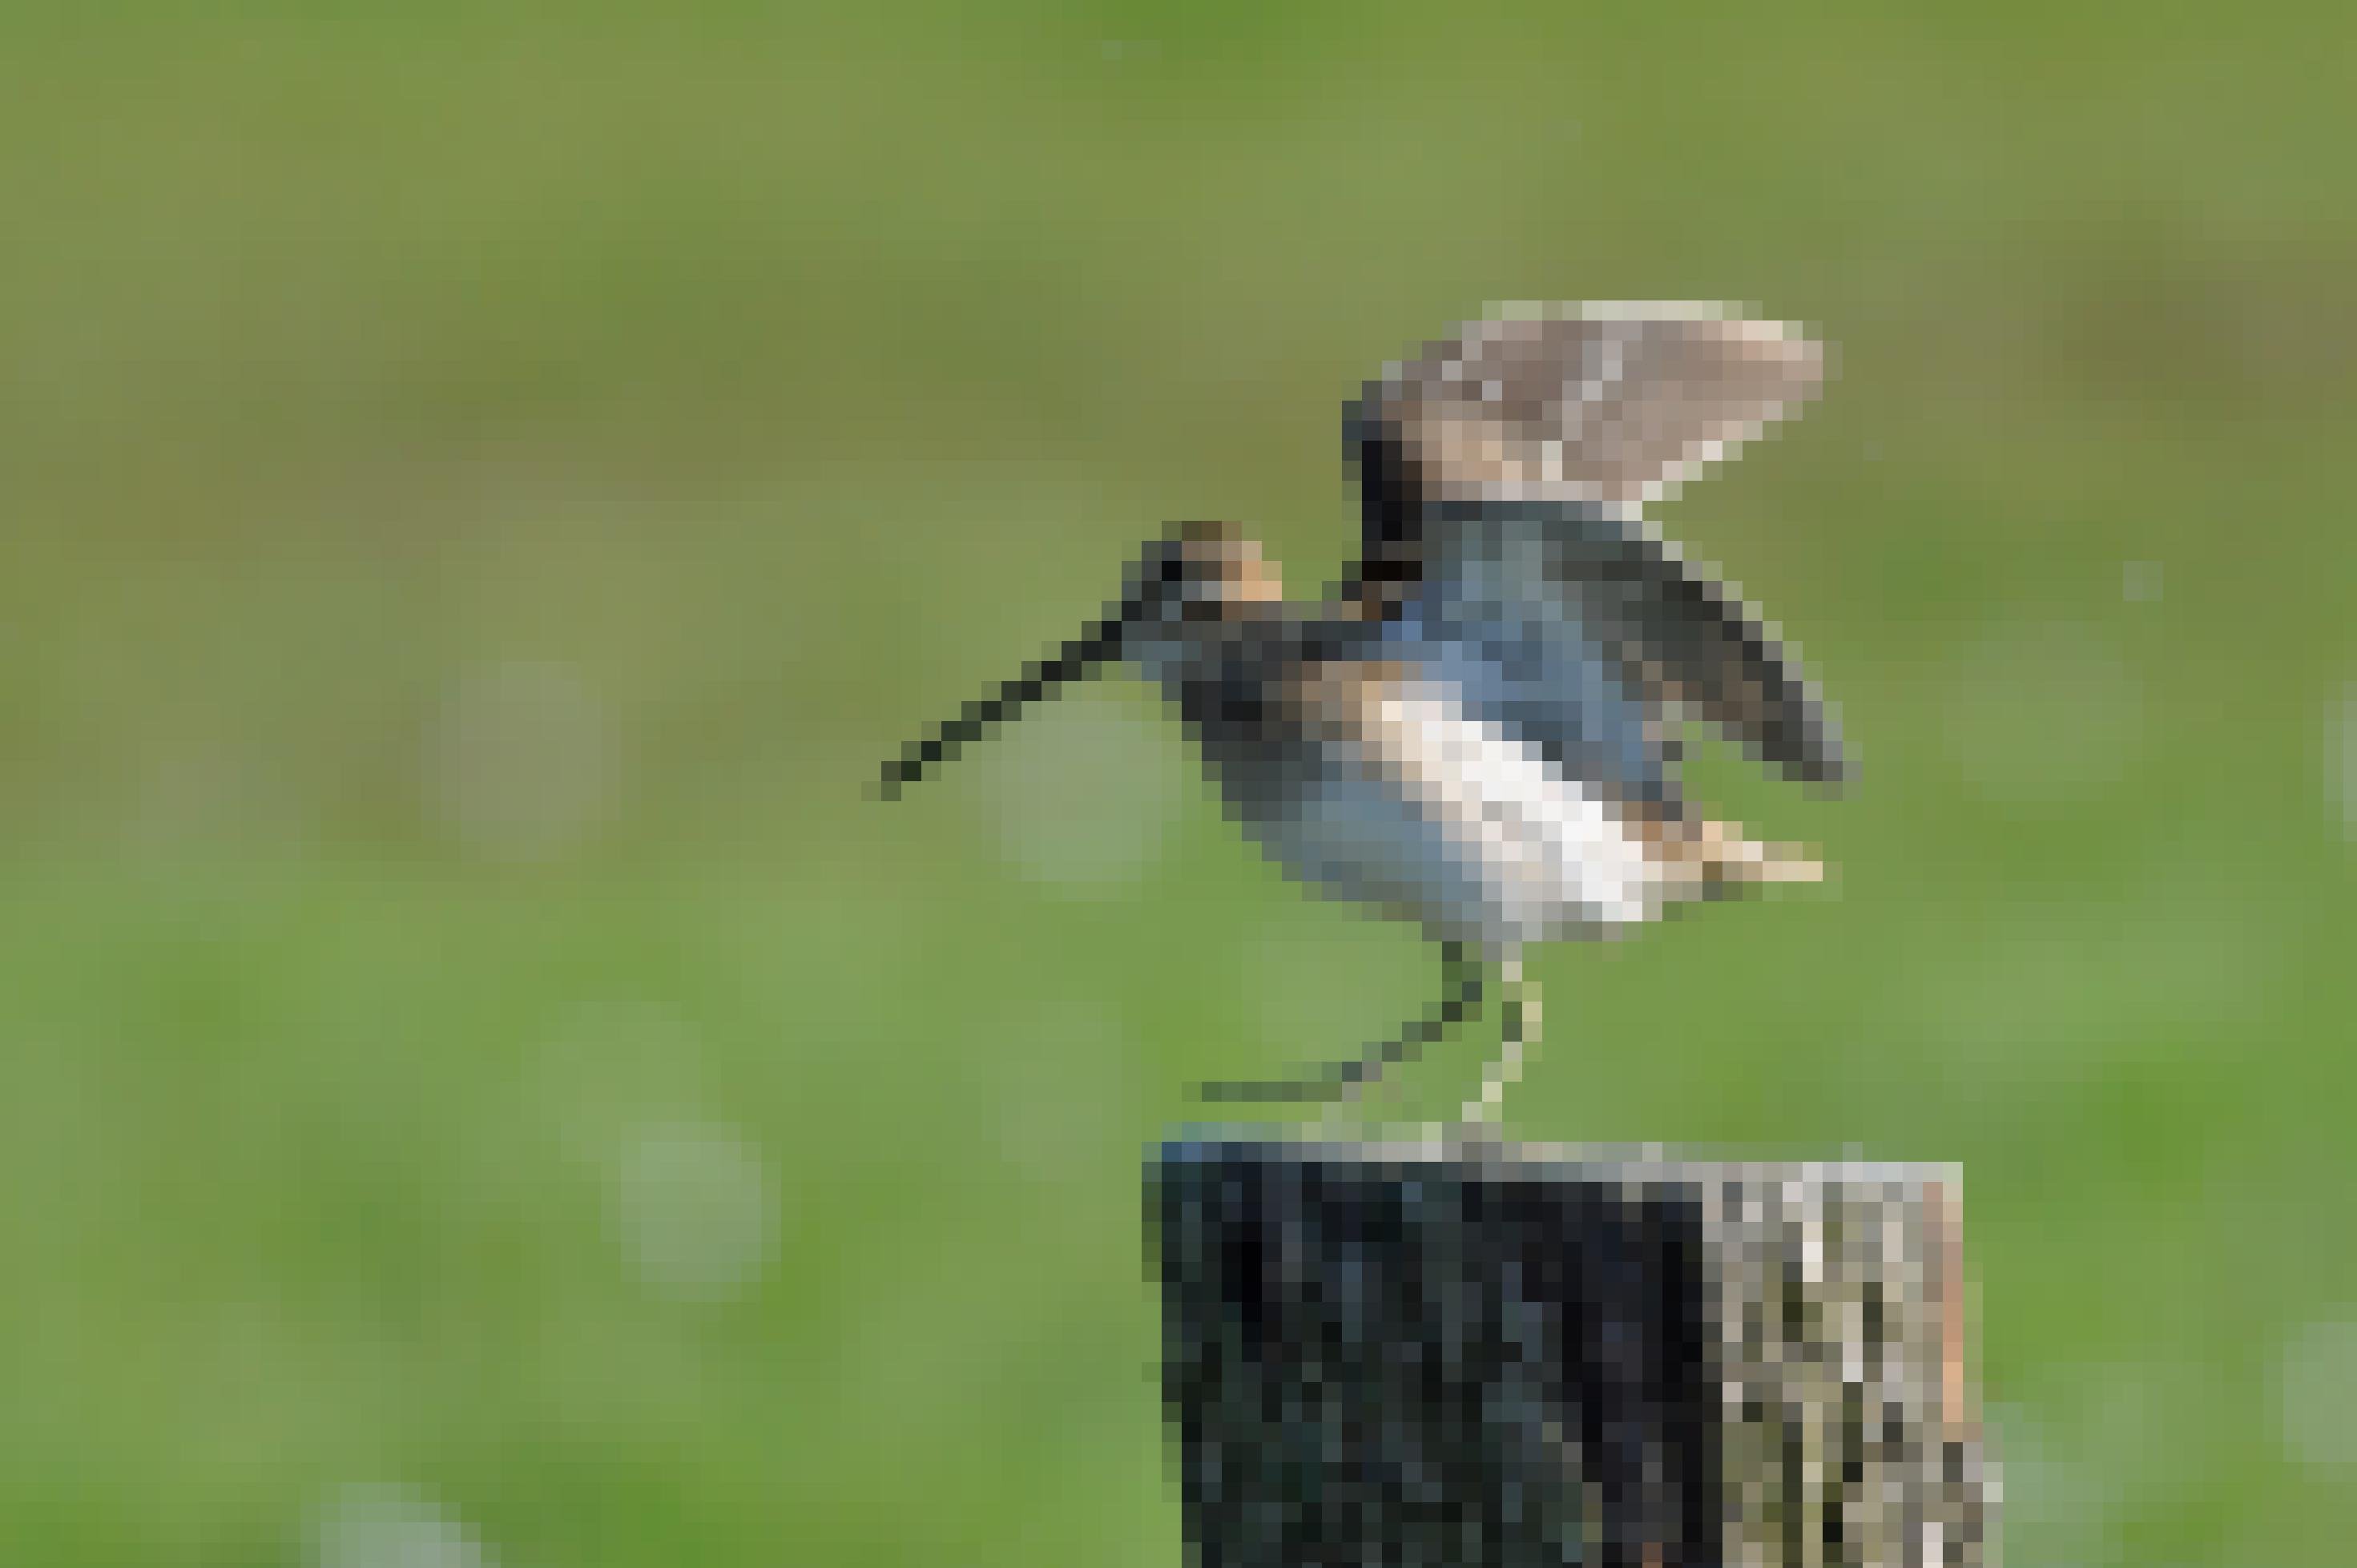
(480, 489)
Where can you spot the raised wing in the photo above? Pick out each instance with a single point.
(1508, 466)
(1608, 405)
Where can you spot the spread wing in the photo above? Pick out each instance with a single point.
(1511, 461)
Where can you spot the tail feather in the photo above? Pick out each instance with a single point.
(1704, 859)
(1734, 858)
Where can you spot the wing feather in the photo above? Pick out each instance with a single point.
(1554, 427)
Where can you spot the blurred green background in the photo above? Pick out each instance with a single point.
(480, 486)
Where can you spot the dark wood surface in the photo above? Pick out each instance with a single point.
(1468, 1353)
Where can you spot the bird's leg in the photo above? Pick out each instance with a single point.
(1347, 1079)
(1518, 1011)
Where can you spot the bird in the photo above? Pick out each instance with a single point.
(1477, 730)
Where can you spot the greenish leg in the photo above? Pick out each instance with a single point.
(1346, 1081)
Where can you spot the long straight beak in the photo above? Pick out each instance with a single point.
(1076, 660)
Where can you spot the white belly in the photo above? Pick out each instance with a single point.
(1453, 822)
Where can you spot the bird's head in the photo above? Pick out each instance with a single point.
(1187, 591)
(1184, 596)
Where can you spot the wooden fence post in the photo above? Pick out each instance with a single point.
(1471, 1355)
